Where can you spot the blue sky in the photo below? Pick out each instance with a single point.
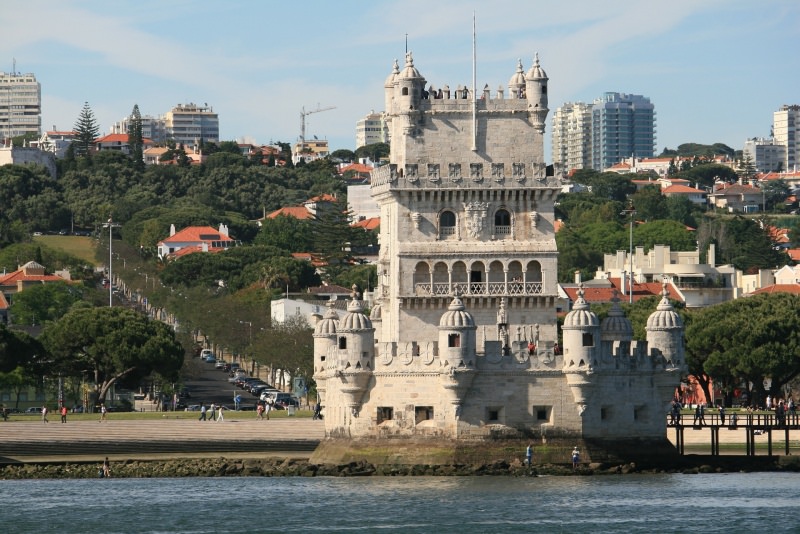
(715, 69)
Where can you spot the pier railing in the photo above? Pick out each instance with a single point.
(751, 424)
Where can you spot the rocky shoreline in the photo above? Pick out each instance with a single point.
(277, 467)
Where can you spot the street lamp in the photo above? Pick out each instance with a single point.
(630, 212)
(110, 224)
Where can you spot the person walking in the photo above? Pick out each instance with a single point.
(220, 417)
(529, 454)
(63, 413)
(44, 414)
(722, 415)
(260, 411)
(202, 412)
(317, 411)
(237, 402)
(106, 468)
(212, 412)
(576, 458)
(268, 406)
(103, 413)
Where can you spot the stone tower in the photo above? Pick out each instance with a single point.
(461, 341)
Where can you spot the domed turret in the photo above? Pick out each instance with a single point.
(616, 327)
(665, 331)
(516, 85)
(388, 93)
(536, 84)
(581, 334)
(457, 336)
(409, 85)
(456, 316)
(355, 320)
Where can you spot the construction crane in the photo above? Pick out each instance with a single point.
(303, 114)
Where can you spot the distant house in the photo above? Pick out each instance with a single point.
(736, 198)
(195, 239)
(307, 210)
(118, 143)
(28, 275)
(697, 196)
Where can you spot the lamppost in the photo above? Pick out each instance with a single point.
(110, 224)
(630, 212)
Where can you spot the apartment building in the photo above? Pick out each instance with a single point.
(153, 128)
(766, 154)
(371, 129)
(20, 105)
(188, 124)
(572, 136)
(623, 125)
(786, 131)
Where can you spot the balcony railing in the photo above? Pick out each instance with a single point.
(479, 289)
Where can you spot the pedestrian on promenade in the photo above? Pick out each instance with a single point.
(237, 402)
(103, 413)
(202, 412)
(260, 411)
(529, 454)
(220, 417)
(212, 412)
(268, 406)
(106, 472)
(44, 414)
(63, 413)
(576, 457)
(317, 411)
(722, 415)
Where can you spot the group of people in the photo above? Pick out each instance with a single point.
(575, 456)
(212, 413)
(63, 411)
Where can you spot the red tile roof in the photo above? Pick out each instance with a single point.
(356, 167)
(794, 254)
(199, 234)
(298, 212)
(368, 224)
(605, 294)
(680, 190)
(779, 288)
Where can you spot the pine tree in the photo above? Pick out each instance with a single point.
(135, 139)
(86, 131)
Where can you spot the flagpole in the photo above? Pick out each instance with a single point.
(474, 84)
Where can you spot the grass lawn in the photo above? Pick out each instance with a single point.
(78, 246)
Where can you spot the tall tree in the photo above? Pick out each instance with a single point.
(135, 139)
(112, 345)
(86, 131)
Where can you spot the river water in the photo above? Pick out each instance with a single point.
(710, 503)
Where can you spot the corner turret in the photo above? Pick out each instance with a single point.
(536, 90)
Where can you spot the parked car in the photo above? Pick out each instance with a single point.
(205, 353)
(211, 359)
(258, 390)
(220, 364)
(282, 400)
(33, 410)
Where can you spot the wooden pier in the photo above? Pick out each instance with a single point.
(752, 424)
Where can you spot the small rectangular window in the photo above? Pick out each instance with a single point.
(342, 342)
(606, 413)
(385, 413)
(494, 414)
(542, 413)
(588, 340)
(453, 340)
(422, 413)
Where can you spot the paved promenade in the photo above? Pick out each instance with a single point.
(27, 441)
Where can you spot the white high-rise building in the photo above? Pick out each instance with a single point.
(572, 137)
(188, 124)
(786, 131)
(766, 154)
(623, 126)
(371, 129)
(20, 105)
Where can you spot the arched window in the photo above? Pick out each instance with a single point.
(447, 224)
(502, 223)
